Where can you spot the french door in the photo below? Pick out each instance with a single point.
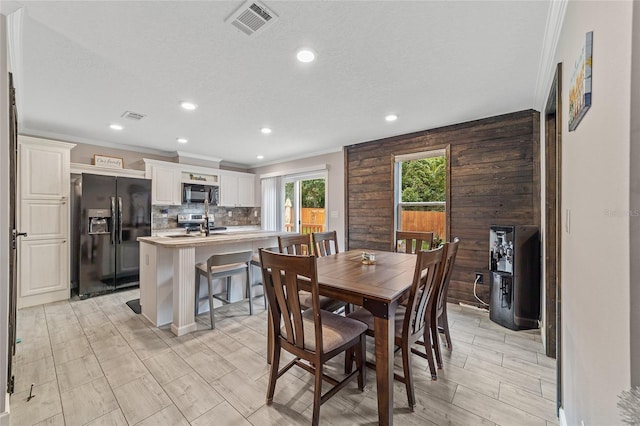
(305, 203)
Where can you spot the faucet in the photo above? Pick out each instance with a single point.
(206, 217)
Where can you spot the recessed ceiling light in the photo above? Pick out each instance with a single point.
(391, 117)
(306, 55)
(182, 140)
(189, 106)
(260, 157)
(265, 130)
(116, 127)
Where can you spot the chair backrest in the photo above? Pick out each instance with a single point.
(281, 274)
(298, 244)
(423, 293)
(322, 243)
(413, 241)
(229, 258)
(446, 269)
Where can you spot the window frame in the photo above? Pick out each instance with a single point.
(397, 187)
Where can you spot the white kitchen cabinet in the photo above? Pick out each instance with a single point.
(44, 219)
(44, 169)
(166, 186)
(44, 270)
(43, 213)
(237, 190)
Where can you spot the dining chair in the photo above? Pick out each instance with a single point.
(413, 321)
(300, 244)
(255, 262)
(440, 321)
(315, 335)
(325, 243)
(413, 241)
(224, 266)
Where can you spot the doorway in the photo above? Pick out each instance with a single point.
(305, 203)
(553, 236)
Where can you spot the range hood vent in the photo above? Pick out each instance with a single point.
(136, 116)
(252, 17)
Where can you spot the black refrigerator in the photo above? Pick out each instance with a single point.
(108, 214)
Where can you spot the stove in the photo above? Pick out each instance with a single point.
(192, 222)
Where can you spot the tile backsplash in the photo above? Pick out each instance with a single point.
(166, 217)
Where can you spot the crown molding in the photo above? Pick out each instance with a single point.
(197, 156)
(546, 66)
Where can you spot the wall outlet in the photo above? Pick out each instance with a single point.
(229, 213)
(255, 213)
(479, 278)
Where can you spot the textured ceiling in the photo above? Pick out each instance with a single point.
(433, 63)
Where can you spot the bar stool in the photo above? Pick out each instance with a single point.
(255, 261)
(223, 266)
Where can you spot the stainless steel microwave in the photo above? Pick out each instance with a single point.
(195, 193)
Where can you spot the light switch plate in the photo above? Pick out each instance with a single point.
(229, 213)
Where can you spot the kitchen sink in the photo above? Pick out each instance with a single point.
(181, 236)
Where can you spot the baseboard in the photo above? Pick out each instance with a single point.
(476, 308)
(4, 417)
(562, 419)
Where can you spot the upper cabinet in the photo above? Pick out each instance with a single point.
(44, 169)
(237, 189)
(166, 188)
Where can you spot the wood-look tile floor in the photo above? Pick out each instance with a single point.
(95, 362)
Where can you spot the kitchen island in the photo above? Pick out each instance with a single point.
(167, 271)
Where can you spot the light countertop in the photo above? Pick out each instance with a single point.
(213, 239)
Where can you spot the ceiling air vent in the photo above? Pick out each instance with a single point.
(252, 17)
(133, 115)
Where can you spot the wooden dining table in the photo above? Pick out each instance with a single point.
(378, 288)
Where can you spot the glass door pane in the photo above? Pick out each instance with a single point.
(304, 204)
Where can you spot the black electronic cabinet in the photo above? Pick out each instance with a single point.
(514, 265)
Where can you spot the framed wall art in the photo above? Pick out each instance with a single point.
(580, 87)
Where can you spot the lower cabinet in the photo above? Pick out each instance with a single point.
(44, 271)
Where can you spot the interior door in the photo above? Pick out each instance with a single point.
(13, 262)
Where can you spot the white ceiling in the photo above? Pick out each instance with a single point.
(432, 62)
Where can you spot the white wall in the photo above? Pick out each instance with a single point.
(634, 202)
(4, 218)
(335, 185)
(595, 189)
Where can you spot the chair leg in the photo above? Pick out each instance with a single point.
(348, 361)
(361, 362)
(273, 373)
(249, 287)
(428, 349)
(264, 297)
(197, 295)
(210, 288)
(436, 343)
(270, 344)
(445, 327)
(317, 394)
(228, 281)
(408, 376)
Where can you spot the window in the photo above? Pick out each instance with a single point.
(305, 203)
(421, 192)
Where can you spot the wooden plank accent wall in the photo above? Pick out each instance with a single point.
(495, 180)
